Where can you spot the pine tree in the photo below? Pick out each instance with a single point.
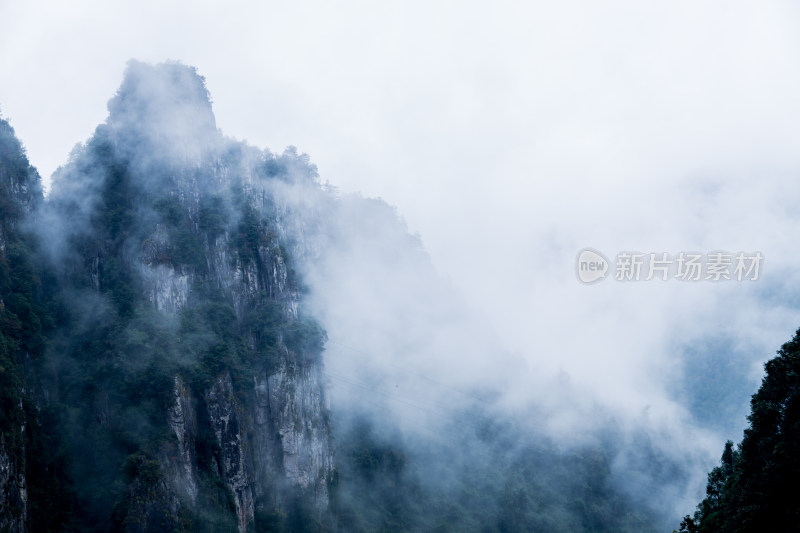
(754, 487)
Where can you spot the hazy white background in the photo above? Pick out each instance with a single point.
(509, 135)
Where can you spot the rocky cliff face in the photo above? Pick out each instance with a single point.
(169, 351)
(13, 493)
(203, 370)
(20, 192)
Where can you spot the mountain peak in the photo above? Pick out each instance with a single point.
(166, 106)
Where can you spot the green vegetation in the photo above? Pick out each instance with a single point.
(386, 483)
(754, 487)
(27, 316)
(84, 331)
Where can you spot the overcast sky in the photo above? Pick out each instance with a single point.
(509, 136)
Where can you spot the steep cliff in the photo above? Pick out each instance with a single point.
(21, 343)
(186, 350)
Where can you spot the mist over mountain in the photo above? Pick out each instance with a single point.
(200, 335)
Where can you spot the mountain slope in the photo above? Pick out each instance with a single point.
(181, 281)
(185, 365)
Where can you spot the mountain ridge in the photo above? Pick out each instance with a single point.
(185, 279)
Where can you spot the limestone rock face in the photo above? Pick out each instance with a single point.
(271, 435)
(183, 341)
(13, 494)
(273, 439)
